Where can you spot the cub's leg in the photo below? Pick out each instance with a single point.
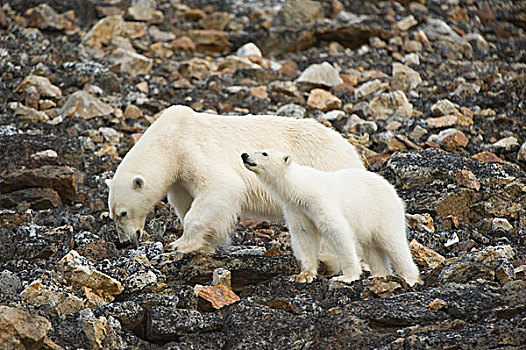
(336, 228)
(402, 261)
(377, 261)
(305, 241)
(209, 220)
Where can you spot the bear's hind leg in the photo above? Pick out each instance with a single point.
(208, 222)
(180, 200)
(305, 241)
(377, 261)
(400, 255)
(338, 231)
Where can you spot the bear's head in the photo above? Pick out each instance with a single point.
(128, 205)
(266, 162)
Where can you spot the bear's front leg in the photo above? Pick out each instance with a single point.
(305, 241)
(208, 222)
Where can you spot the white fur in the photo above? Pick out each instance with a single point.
(193, 158)
(357, 210)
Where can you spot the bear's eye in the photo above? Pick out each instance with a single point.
(123, 214)
(264, 154)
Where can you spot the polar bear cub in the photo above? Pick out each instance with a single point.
(357, 210)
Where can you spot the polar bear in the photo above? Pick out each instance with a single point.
(357, 210)
(193, 159)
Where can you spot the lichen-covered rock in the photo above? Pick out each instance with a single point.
(83, 105)
(21, 329)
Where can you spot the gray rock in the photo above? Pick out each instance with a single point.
(167, 324)
(298, 13)
(323, 74)
(9, 282)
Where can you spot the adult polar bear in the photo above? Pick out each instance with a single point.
(193, 159)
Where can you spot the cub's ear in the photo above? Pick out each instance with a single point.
(137, 182)
(287, 158)
(108, 183)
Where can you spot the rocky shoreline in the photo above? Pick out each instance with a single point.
(432, 93)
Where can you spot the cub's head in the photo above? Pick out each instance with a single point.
(128, 205)
(266, 162)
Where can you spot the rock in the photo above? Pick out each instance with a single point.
(132, 112)
(285, 91)
(77, 272)
(323, 74)
(158, 35)
(421, 222)
(110, 135)
(467, 89)
(233, 63)
(383, 286)
(145, 14)
(323, 100)
(391, 105)
(436, 29)
(45, 17)
(249, 49)
(467, 179)
(160, 50)
(212, 42)
(216, 20)
(38, 198)
(298, 14)
(48, 291)
(292, 110)
(455, 140)
(196, 68)
(21, 329)
(48, 154)
(368, 88)
(506, 144)
(218, 296)
(28, 114)
(130, 30)
(183, 44)
(406, 23)
(99, 332)
(129, 62)
(83, 105)
(425, 257)
(479, 264)
(103, 31)
(42, 84)
(501, 224)
(405, 78)
(140, 281)
(442, 122)
(9, 282)
(62, 179)
(444, 107)
(437, 304)
(168, 324)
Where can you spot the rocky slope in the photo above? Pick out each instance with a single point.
(433, 93)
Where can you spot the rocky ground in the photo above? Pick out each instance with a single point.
(433, 93)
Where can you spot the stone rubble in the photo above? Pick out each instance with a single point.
(431, 93)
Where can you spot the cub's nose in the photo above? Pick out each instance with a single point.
(244, 156)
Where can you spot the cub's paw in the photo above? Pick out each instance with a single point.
(345, 279)
(303, 277)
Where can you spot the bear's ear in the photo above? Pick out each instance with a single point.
(137, 182)
(108, 183)
(287, 158)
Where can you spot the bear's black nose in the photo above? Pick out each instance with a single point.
(244, 156)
